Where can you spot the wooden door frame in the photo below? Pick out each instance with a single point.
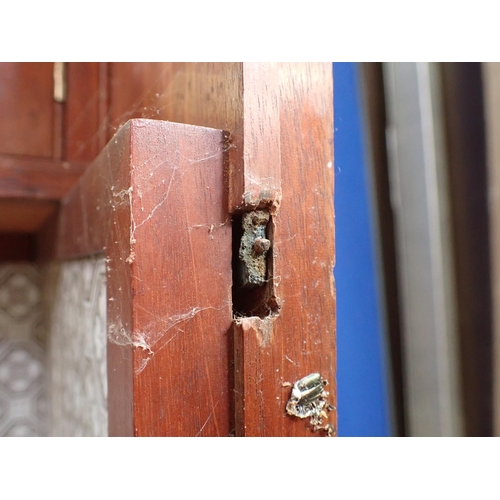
(277, 155)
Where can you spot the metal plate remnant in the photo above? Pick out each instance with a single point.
(309, 399)
(253, 248)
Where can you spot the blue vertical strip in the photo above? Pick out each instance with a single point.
(363, 395)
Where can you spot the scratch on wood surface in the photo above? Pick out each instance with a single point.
(208, 156)
(207, 420)
(158, 205)
(210, 227)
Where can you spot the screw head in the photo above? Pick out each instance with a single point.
(261, 245)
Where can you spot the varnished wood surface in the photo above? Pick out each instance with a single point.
(280, 145)
(37, 178)
(25, 215)
(86, 110)
(154, 202)
(37, 134)
(182, 302)
(240, 98)
(27, 117)
(271, 355)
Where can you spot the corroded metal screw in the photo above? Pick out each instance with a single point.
(261, 245)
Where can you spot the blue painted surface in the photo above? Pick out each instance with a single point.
(363, 395)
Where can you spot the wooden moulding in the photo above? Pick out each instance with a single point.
(85, 118)
(30, 189)
(154, 203)
(272, 353)
(25, 177)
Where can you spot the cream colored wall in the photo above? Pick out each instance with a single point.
(76, 298)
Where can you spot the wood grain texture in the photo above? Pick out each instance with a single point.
(160, 212)
(273, 353)
(26, 100)
(280, 122)
(85, 110)
(154, 202)
(240, 98)
(37, 178)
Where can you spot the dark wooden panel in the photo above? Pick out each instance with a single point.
(26, 101)
(17, 247)
(154, 202)
(280, 144)
(274, 352)
(280, 119)
(181, 281)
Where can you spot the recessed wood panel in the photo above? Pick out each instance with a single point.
(273, 353)
(85, 114)
(37, 178)
(27, 116)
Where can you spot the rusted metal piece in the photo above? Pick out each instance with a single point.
(261, 245)
(253, 249)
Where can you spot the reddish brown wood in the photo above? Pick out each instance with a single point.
(280, 120)
(24, 215)
(26, 101)
(37, 178)
(256, 179)
(154, 202)
(241, 98)
(85, 119)
(280, 144)
(273, 353)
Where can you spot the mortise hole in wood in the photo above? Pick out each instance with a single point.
(260, 300)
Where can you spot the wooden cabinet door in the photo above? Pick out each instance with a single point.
(193, 350)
